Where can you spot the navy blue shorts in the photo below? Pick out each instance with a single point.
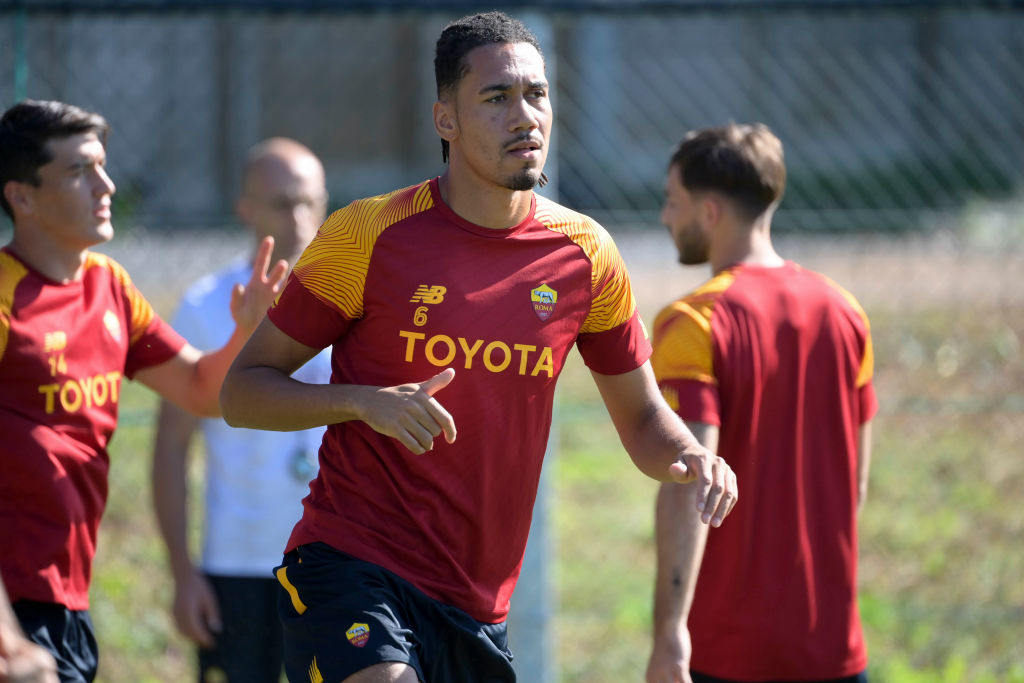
(341, 615)
(67, 634)
(249, 648)
(862, 677)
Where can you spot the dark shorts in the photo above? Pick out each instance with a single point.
(862, 677)
(67, 634)
(249, 648)
(342, 615)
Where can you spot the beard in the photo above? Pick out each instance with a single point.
(692, 246)
(524, 179)
(692, 257)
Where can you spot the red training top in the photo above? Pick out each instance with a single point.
(64, 349)
(781, 360)
(404, 288)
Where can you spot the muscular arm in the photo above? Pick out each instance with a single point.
(863, 463)
(660, 444)
(259, 393)
(192, 380)
(680, 538)
(174, 432)
(196, 611)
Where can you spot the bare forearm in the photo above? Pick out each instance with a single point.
(657, 442)
(262, 397)
(680, 538)
(170, 483)
(210, 370)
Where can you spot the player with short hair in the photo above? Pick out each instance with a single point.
(72, 327)
(770, 364)
(254, 480)
(450, 303)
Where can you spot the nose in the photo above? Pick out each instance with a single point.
(104, 185)
(523, 115)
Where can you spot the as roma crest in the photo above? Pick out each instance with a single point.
(543, 299)
(358, 634)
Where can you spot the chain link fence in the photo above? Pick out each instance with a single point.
(892, 114)
(904, 131)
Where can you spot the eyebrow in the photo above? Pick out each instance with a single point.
(86, 160)
(504, 87)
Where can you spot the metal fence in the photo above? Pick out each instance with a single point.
(892, 113)
(897, 117)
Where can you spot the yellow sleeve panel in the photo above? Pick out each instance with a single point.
(11, 273)
(142, 312)
(682, 335)
(867, 362)
(347, 237)
(612, 300)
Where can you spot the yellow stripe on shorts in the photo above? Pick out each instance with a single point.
(282, 578)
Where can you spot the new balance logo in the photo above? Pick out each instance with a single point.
(429, 295)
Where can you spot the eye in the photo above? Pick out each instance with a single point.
(496, 98)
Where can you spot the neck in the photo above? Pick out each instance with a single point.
(750, 245)
(484, 204)
(52, 260)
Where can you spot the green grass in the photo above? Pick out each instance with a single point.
(942, 593)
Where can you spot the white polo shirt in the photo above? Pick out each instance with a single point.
(255, 480)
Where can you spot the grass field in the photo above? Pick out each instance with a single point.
(942, 565)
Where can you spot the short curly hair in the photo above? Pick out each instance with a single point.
(461, 36)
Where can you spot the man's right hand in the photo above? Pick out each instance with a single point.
(196, 611)
(22, 661)
(410, 413)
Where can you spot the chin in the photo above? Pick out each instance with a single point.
(103, 233)
(522, 181)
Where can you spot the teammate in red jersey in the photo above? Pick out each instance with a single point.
(451, 303)
(771, 365)
(72, 326)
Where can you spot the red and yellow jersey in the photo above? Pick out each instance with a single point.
(781, 360)
(64, 351)
(404, 288)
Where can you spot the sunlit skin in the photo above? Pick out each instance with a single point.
(284, 197)
(498, 124)
(69, 211)
(707, 227)
(679, 214)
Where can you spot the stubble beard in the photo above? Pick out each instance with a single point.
(525, 179)
(693, 247)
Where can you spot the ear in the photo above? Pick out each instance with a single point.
(18, 196)
(711, 208)
(446, 123)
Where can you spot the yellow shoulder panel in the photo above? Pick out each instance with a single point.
(142, 311)
(867, 362)
(613, 302)
(682, 334)
(11, 273)
(335, 264)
